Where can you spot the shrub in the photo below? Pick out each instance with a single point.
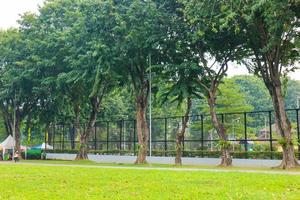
(187, 153)
(32, 154)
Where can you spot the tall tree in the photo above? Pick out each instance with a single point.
(16, 95)
(218, 47)
(141, 28)
(181, 87)
(79, 51)
(272, 27)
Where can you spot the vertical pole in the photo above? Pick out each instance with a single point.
(245, 132)
(134, 135)
(298, 132)
(150, 106)
(53, 136)
(14, 128)
(120, 142)
(60, 137)
(63, 137)
(271, 138)
(182, 119)
(166, 132)
(107, 135)
(202, 133)
(95, 138)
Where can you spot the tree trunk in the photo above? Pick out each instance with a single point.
(221, 130)
(283, 126)
(76, 125)
(7, 119)
(180, 135)
(18, 133)
(83, 149)
(142, 126)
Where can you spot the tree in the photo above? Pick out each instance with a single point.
(269, 32)
(141, 29)
(218, 46)
(77, 42)
(181, 87)
(17, 97)
(272, 30)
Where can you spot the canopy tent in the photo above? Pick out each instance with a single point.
(9, 143)
(42, 146)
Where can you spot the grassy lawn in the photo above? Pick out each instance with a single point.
(151, 165)
(57, 182)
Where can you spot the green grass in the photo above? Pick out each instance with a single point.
(63, 182)
(151, 165)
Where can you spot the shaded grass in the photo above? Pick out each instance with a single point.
(62, 182)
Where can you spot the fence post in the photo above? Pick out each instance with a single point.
(245, 133)
(134, 136)
(60, 138)
(95, 138)
(166, 131)
(271, 136)
(53, 136)
(63, 137)
(120, 142)
(183, 138)
(202, 135)
(107, 135)
(298, 132)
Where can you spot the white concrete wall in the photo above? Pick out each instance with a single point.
(167, 160)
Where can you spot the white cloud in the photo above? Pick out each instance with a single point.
(10, 11)
(242, 70)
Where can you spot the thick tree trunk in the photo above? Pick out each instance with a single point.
(83, 149)
(142, 127)
(180, 135)
(7, 119)
(221, 130)
(283, 126)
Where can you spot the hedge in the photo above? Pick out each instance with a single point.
(199, 154)
(32, 154)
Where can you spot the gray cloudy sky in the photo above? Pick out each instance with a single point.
(10, 11)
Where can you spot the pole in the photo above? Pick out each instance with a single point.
(14, 127)
(150, 106)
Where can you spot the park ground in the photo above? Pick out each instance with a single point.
(88, 180)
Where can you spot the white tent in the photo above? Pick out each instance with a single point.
(43, 146)
(9, 143)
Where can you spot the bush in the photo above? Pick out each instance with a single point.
(198, 153)
(32, 154)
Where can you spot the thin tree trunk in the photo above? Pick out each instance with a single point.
(83, 149)
(221, 130)
(180, 134)
(18, 133)
(142, 127)
(76, 125)
(283, 127)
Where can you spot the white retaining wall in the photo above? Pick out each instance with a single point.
(167, 160)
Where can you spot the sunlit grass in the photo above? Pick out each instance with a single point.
(63, 182)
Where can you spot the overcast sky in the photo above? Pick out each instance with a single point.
(10, 11)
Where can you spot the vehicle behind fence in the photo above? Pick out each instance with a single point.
(251, 134)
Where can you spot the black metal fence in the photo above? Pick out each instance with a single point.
(247, 131)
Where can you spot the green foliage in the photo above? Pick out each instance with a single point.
(32, 154)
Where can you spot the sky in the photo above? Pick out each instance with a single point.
(10, 11)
